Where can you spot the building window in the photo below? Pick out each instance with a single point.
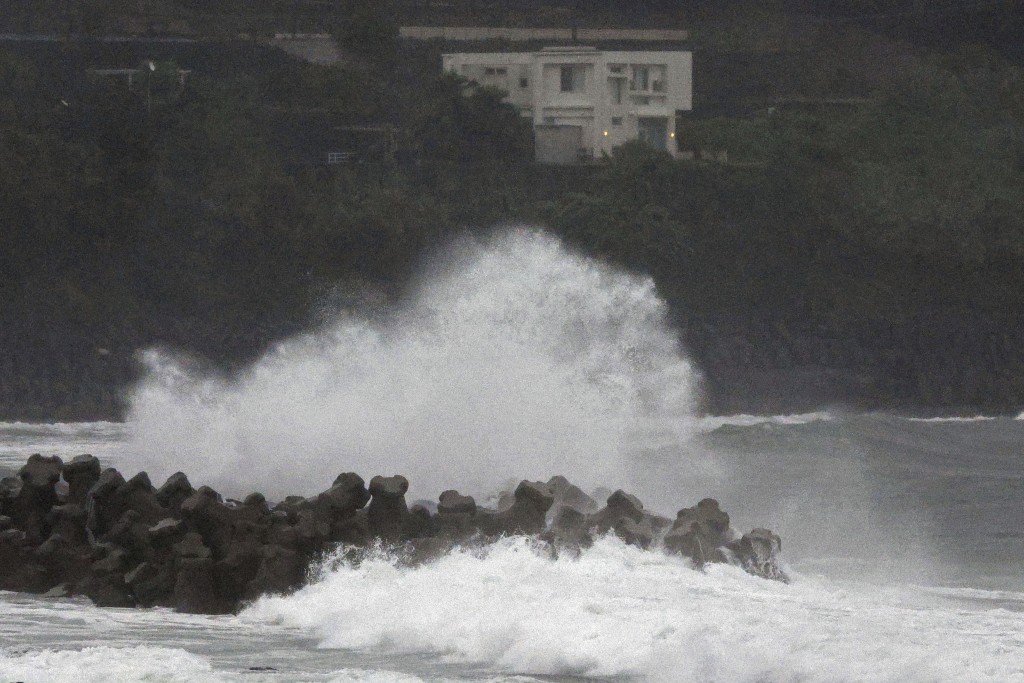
(489, 71)
(616, 120)
(617, 85)
(524, 83)
(566, 78)
(615, 68)
(641, 78)
(501, 71)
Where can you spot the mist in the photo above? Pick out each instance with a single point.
(511, 358)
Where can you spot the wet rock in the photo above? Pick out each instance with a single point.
(192, 547)
(103, 511)
(387, 512)
(569, 529)
(205, 511)
(175, 491)
(166, 529)
(41, 472)
(109, 481)
(257, 501)
(106, 591)
(569, 495)
(528, 514)
(700, 532)
(36, 496)
(114, 562)
(420, 523)
(759, 554)
(633, 533)
(194, 588)
(152, 589)
(620, 507)
(64, 561)
(280, 571)
(451, 502)
(10, 487)
(347, 494)
(139, 495)
(237, 569)
(130, 532)
(81, 473)
(61, 590)
(69, 521)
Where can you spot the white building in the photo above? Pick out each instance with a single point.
(583, 101)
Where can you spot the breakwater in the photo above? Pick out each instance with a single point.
(74, 528)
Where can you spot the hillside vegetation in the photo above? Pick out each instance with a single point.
(865, 253)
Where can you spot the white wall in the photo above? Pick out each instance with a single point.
(591, 106)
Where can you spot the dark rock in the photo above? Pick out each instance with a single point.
(347, 494)
(174, 492)
(451, 502)
(626, 505)
(166, 529)
(257, 501)
(237, 569)
(313, 529)
(387, 512)
(194, 589)
(41, 472)
(5, 522)
(354, 530)
(569, 529)
(280, 571)
(139, 495)
(457, 526)
(69, 521)
(64, 561)
(37, 496)
(103, 508)
(633, 533)
(81, 474)
(621, 506)
(10, 487)
(144, 571)
(114, 562)
(192, 547)
(699, 532)
(109, 481)
(423, 550)
(528, 513)
(758, 553)
(13, 537)
(152, 590)
(108, 590)
(569, 495)
(61, 590)
(205, 512)
(389, 487)
(419, 523)
(130, 532)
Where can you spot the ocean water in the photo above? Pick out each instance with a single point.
(514, 358)
(906, 541)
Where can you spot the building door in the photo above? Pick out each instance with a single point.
(654, 131)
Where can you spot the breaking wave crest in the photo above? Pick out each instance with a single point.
(514, 358)
(617, 611)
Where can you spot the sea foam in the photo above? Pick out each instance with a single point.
(513, 358)
(620, 612)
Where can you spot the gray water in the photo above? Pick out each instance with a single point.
(886, 522)
(514, 358)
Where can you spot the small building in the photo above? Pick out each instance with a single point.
(583, 102)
